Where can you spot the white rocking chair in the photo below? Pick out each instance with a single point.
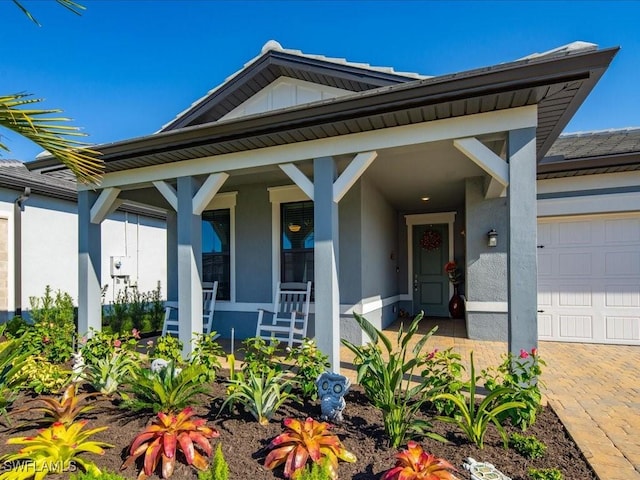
(288, 320)
(208, 307)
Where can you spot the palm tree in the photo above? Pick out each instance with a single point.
(52, 133)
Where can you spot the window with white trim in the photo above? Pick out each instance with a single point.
(296, 242)
(216, 250)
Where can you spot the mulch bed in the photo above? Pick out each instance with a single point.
(244, 441)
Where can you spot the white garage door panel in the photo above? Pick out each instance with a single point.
(589, 279)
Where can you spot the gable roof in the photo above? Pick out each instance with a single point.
(557, 82)
(585, 153)
(274, 62)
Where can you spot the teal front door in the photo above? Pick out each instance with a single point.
(430, 282)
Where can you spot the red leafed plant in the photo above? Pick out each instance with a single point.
(416, 464)
(167, 435)
(303, 441)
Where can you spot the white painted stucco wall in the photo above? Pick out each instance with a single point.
(50, 247)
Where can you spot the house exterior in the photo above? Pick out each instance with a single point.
(39, 241)
(589, 238)
(362, 179)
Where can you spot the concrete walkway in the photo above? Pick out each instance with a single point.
(594, 389)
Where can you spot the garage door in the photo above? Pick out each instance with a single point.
(589, 279)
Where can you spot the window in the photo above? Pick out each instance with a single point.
(216, 250)
(296, 247)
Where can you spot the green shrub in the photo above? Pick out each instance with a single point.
(156, 309)
(105, 475)
(260, 356)
(260, 394)
(138, 306)
(11, 376)
(168, 348)
(315, 471)
(15, 327)
(169, 391)
(391, 381)
(522, 376)
(42, 376)
(102, 345)
(218, 470)
(527, 446)
(119, 311)
(443, 373)
(53, 331)
(207, 353)
(474, 419)
(545, 474)
(309, 362)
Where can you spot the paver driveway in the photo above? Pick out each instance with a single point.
(594, 389)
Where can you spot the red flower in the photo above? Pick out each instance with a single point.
(534, 351)
(450, 266)
(117, 343)
(135, 333)
(524, 353)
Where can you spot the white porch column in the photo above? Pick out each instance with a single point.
(327, 295)
(89, 263)
(172, 256)
(522, 260)
(189, 264)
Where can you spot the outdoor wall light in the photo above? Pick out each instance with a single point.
(294, 227)
(492, 238)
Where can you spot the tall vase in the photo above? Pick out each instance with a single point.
(456, 305)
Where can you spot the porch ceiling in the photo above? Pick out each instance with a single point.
(403, 175)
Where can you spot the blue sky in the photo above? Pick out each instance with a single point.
(124, 68)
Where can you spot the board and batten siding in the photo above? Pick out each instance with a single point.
(282, 93)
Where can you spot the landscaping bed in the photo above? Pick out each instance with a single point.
(244, 440)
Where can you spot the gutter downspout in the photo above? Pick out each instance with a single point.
(18, 207)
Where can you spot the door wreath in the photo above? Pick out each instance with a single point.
(431, 240)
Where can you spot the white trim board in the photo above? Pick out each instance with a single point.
(426, 132)
(591, 204)
(486, 307)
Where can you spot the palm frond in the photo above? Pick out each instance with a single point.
(70, 5)
(52, 133)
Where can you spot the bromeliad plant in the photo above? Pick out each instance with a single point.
(108, 373)
(474, 419)
(168, 435)
(53, 450)
(169, 390)
(304, 441)
(391, 380)
(416, 464)
(260, 394)
(66, 409)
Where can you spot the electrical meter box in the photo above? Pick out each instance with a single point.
(120, 267)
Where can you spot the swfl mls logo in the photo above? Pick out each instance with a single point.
(31, 466)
